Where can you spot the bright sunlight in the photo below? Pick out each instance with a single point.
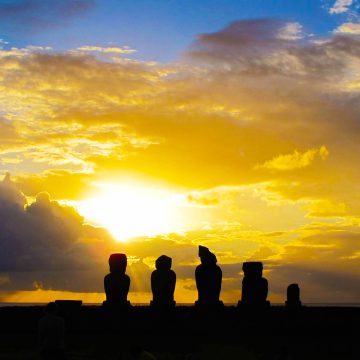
(129, 211)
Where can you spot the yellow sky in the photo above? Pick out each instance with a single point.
(255, 157)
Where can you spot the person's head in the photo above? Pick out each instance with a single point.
(117, 263)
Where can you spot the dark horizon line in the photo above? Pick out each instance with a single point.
(338, 304)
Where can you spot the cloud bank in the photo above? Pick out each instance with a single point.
(258, 126)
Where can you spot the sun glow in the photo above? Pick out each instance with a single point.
(129, 211)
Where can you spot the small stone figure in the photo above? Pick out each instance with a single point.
(208, 278)
(117, 283)
(254, 286)
(293, 297)
(163, 281)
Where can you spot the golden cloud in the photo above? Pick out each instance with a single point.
(297, 160)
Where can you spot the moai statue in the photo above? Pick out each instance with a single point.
(254, 286)
(117, 283)
(163, 281)
(293, 297)
(208, 278)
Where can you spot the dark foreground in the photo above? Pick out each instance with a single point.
(188, 333)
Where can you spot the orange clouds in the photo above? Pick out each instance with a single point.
(197, 124)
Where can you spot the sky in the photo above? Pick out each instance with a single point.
(150, 128)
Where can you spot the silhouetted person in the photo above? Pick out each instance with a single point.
(293, 296)
(117, 283)
(208, 278)
(163, 281)
(254, 286)
(51, 333)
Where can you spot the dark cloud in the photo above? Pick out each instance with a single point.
(240, 42)
(47, 245)
(35, 15)
(259, 48)
(42, 241)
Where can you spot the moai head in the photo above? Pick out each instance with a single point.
(206, 256)
(163, 263)
(118, 263)
(253, 269)
(293, 293)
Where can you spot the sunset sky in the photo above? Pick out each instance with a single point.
(150, 127)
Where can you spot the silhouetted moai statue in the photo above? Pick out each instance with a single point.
(293, 296)
(254, 286)
(208, 278)
(117, 283)
(163, 281)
